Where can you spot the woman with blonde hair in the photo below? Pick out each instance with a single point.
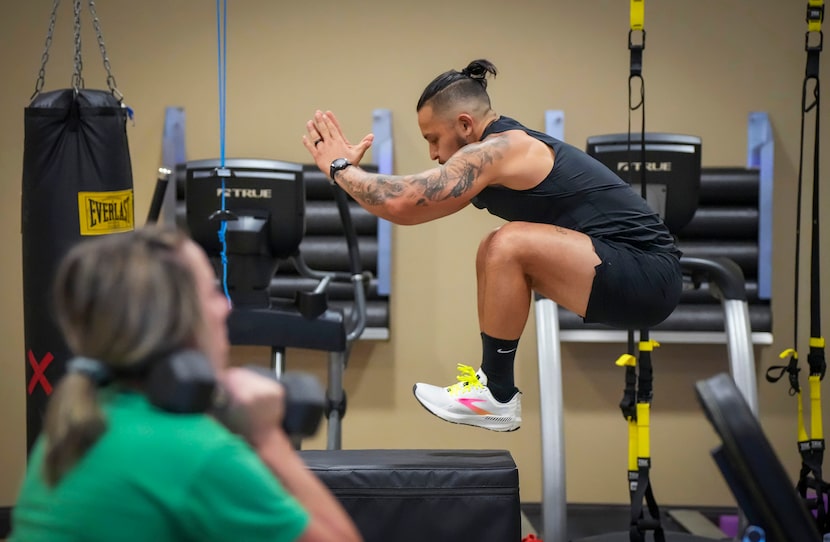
(111, 464)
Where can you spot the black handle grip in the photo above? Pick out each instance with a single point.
(305, 401)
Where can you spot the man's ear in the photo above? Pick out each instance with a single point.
(465, 124)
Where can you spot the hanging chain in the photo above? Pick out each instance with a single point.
(77, 74)
(41, 75)
(77, 78)
(110, 78)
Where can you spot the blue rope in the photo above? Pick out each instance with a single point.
(222, 46)
(222, 52)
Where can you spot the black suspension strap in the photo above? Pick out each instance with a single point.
(811, 446)
(638, 393)
(636, 408)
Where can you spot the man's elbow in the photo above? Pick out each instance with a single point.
(402, 213)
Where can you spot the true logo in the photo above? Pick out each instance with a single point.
(250, 193)
(650, 166)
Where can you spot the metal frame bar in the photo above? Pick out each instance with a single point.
(173, 151)
(552, 419)
(665, 337)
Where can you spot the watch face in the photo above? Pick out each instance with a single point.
(337, 165)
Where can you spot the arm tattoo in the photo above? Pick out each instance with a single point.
(452, 180)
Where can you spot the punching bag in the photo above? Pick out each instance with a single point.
(77, 184)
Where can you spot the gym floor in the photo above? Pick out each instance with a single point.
(586, 520)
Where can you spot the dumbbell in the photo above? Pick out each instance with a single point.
(186, 383)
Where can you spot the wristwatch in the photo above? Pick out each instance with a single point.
(338, 164)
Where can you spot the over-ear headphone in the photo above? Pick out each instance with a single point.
(185, 382)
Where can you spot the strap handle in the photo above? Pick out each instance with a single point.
(776, 372)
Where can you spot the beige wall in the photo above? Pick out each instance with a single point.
(708, 63)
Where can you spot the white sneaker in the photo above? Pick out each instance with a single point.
(470, 402)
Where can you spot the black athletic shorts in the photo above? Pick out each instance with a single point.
(633, 289)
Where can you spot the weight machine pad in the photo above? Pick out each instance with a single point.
(424, 495)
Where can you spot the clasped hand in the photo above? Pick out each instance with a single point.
(257, 404)
(326, 142)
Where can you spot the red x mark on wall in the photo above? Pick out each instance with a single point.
(38, 375)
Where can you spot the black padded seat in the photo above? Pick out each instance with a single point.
(283, 325)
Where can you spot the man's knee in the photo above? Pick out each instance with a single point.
(504, 243)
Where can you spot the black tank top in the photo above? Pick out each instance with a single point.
(580, 194)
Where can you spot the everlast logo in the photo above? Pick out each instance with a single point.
(109, 211)
(105, 212)
(650, 166)
(252, 193)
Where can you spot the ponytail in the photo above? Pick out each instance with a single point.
(73, 423)
(478, 70)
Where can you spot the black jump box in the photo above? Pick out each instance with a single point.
(424, 495)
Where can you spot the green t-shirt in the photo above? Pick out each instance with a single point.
(156, 476)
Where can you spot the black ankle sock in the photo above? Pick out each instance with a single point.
(497, 363)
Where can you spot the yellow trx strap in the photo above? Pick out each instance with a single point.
(636, 408)
(815, 15)
(796, 389)
(644, 416)
(628, 360)
(816, 423)
(633, 452)
(816, 420)
(637, 14)
(816, 426)
(639, 425)
(802, 429)
(644, 431)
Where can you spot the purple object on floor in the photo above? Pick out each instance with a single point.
(729, 525)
